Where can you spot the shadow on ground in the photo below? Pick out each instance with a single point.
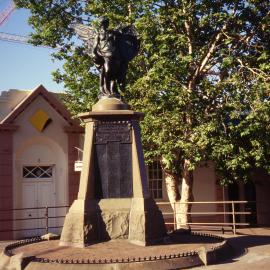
(240, 245)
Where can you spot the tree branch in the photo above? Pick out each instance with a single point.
(205, 59)
(189, 34)
(254, 71)
(213, 44)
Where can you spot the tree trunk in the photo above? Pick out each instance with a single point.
(183, 218)
(172, 182)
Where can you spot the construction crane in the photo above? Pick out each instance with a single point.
(5, 14)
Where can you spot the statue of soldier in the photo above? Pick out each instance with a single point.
(111, 50)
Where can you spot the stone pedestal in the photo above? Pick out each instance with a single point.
(113, 200)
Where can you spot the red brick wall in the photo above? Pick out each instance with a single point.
(6, 175)
(73, 177)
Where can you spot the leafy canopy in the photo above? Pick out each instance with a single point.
(202, 75)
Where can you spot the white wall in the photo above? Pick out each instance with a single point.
(204, 187)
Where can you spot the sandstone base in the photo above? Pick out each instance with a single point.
(136, 219)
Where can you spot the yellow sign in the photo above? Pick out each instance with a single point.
(40, 120)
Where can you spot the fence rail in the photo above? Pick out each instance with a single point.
(45, 217)
(226, 213)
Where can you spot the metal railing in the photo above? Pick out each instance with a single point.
(44, 216)
(232, 214)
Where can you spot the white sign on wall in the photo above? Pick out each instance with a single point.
(78, 166)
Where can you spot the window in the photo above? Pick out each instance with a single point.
(155, 177)
(37, 172)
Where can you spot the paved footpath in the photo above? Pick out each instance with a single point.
(253, 248)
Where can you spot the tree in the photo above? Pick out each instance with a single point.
(202, 79)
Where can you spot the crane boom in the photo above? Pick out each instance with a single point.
(13, 38)
(17, 39)
(4, 15)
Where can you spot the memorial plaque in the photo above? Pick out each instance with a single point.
(113, 159)
(112, 132)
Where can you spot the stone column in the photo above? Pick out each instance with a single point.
(113, 200)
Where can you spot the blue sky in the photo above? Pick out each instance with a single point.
(24, 66)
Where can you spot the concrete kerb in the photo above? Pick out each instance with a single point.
(216, 254)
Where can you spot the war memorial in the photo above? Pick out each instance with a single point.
(113, 223)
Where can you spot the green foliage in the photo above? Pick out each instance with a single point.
(201, 78)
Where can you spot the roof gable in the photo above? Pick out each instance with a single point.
(49, 97)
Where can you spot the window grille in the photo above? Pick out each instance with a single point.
(155, 177)
(37, 172)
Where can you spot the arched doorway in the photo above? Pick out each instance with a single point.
(40, 180)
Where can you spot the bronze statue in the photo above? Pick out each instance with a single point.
(111, 50)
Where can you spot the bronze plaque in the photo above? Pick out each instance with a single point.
(112, 132)
(113, 160)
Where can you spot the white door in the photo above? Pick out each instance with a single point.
(28, 216)
(46, 197)
(38, 192)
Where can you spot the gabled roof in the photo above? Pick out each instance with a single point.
(49, 97)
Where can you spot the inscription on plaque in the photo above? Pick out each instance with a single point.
(113, 159)
(112, 132)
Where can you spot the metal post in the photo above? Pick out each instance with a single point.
(47, 219)
(233, 216)
(174, 216)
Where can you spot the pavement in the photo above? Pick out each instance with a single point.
(251, 247)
